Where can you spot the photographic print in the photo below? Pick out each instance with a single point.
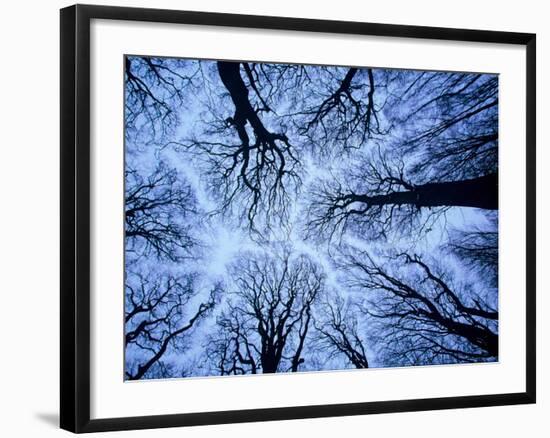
(286, 218)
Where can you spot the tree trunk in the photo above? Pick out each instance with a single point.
(479, 192)
(230, 75)
(269, 365)
(483, 338)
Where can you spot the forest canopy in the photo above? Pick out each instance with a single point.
(286, 217)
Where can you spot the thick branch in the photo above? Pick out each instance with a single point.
(479, 192)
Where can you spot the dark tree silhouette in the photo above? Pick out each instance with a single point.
(419, 315)
(453, 126)
(265, 328)
(393, 203)
(477, 248)
(445, 155)
(340, 110)
(258, 172)
(157, 211)
(155, 89)
(159, 314)
(339, 333)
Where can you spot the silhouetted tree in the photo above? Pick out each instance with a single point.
(157, 208)
(477, 249)
(159, 314)
(340, 109)
(249, 164)
(420, 315)
(443, 154)
(339, 332)
(265, 325)
(452, 127)
(155, 90)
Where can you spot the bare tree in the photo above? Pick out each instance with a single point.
(419, 315)
(155, 88)
(339, 331)
(452, 128)
(340, 109)
(443, 155)
(157, 210)
(159, 314)
(477, 248)
(266, 325)
(249, 164)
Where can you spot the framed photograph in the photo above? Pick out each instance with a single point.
(268, 218)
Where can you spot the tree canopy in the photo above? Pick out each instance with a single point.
(285, 217)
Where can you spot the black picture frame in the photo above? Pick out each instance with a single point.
(75, 217)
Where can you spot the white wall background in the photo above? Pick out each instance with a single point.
(29, 206)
